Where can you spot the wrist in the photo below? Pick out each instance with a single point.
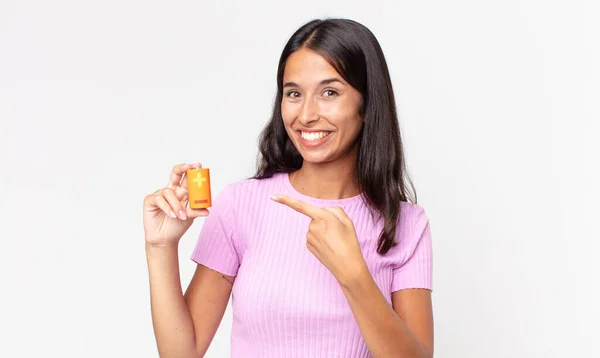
(161, 247)
(355, 275)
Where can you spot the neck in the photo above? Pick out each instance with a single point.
(329, 181)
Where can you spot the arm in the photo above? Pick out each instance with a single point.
(402, 330)
(184, 326)
(405, 330)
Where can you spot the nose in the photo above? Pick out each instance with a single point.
(309, 112)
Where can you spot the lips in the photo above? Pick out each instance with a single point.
(313, 139)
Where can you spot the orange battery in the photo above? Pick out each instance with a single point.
(199, 188)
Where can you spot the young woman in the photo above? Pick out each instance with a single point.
(321, 249)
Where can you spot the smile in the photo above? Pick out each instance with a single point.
(313, 139)
(314, 136)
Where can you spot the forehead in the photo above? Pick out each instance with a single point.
(307, 66)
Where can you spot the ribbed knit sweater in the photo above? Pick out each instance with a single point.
(285, 302)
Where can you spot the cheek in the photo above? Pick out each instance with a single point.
(340, 110)
(346, 118)
(287, 113)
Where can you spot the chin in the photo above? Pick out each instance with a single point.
(317, 158)
(315, 161)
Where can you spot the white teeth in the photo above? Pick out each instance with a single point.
(312, 136)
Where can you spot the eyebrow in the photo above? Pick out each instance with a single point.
(324, 82)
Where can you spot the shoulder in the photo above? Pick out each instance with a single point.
(412, 256)
(412, 230)
(409, 213)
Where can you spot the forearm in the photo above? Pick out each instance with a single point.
(173, 327)
(384, 332)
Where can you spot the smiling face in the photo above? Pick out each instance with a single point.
(320, 110)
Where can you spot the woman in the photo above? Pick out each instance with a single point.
(323, 253)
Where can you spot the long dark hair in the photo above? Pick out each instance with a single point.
(355, 53)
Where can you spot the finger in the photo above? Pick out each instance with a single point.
(178, 172)
(162, 203)
(171, 198)
(311, 244)
(315, 226)
(184, 179)
(181, 193)
(311, 238)
(338, 213)
(311, 248)
(194, 213)
(300, 206)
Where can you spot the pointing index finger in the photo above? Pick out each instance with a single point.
(300, 206)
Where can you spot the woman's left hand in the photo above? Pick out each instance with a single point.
(331, 238)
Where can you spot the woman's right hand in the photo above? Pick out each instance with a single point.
(166, 213)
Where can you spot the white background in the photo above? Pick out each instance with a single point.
(498, 107)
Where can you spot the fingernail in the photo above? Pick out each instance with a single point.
(172, 214)
(182, 215)
(274, 197)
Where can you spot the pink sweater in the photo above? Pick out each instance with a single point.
(285, 302)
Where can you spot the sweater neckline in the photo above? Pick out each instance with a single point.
(316, 201)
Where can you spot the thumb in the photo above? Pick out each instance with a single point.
(337, 212)
(194, 213)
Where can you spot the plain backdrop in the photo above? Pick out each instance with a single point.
(498, 105)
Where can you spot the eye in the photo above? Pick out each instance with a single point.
(292, 94)
(330, 93)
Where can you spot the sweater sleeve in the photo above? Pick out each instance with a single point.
(414, 269)
(216, 244)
